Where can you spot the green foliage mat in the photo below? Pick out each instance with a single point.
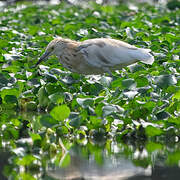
(140, 95)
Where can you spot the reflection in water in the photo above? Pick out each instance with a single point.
(43, 157)
(101, 166)
(82, 168)
(94, 161)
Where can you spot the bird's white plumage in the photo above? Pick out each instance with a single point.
(110, 53)
(96, 56)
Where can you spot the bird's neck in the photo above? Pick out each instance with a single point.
(72, 45)
(69, 49)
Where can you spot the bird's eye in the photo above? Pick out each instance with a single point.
(52, 48)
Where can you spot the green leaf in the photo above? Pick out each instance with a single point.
(31, 106)
(48, 121)
(162, 115)
(50, 77)
(92, 89)
(141, 81)
(24, 176)
(98, 109)
(75, 120)
(152, 146)
(153, 131)
(10, 99)
(62, 130)
(43, 97)
(9, 91)
(60, 113)
(135, 68)
(110, 109)
(3, 79)
(26, 160)
(11, 132)
(163, 81)
(174, 121)
(176, 95)
(105, 81)
(95, 121)
(57, 98)
(129, 84)
(172, 5)
(149, 105)
(85, 102)
(34, 136)
(116, 83)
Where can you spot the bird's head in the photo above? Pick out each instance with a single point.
(56, 47)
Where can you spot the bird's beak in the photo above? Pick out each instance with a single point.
(43, 57)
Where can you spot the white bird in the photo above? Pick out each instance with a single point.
(95, 56)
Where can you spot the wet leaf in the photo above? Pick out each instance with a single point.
(135, 68)
(57, 98)
(163, 81)
(129, 84)
(173, 158)
(153, 131)
(75, 120)
(85, 102)
(162, 115)
(152, 146)
(3, 79)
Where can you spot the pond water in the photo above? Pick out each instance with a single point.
(85, 158)
(105, 166)
(81, 163)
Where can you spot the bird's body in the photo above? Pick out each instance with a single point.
(96, 56)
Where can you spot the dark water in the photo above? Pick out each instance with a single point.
(73, 157)
(118, 164)
(90, 160)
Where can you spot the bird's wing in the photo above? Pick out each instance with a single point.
(104, 52)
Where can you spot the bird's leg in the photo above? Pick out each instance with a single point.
(64, 150)
(106, 69)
